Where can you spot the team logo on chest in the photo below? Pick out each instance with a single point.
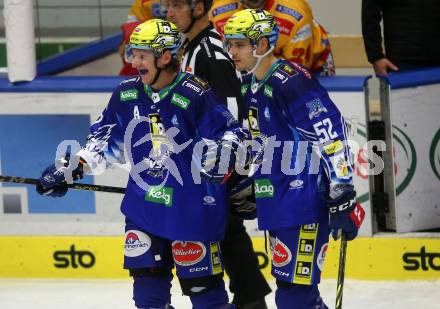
(161, 147)
(157, 130)
(254, 126)
(267, 113)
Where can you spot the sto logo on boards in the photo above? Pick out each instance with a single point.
(73, 258)
(423, 259)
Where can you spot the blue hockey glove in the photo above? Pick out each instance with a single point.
(53, 180)
(218, 161)
(242, 199)
(346, 214)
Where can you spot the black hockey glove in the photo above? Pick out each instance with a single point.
(242, 199)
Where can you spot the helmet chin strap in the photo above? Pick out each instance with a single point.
(259, 58)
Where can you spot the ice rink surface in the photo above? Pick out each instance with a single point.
(115, 294)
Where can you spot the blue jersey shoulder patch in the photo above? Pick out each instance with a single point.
(288, 70)
(284, 72)
(133, 79)
(130, 89)
(200, 82)
(289, 11)
(224, 8)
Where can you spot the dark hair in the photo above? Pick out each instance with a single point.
(173, 65)
(207, 4)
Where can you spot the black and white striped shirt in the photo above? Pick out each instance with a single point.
(205, 57)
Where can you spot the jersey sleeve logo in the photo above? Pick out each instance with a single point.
(132, 79)
(303, 34)
(302, 69)
(180, 101)
(224, 8)
(289, 11)
(285, 26)
(200, 82)
(288, 70)
(316, 108)
(127, 95)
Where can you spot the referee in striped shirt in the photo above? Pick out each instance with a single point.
(204, 56)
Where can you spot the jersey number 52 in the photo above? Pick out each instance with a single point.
(324, 129)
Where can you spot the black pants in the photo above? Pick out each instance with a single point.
(241, 264)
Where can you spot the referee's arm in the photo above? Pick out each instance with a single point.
(222, 77)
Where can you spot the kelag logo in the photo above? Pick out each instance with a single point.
(73, 258)
(424, 260)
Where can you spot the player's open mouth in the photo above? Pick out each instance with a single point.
(143, 71)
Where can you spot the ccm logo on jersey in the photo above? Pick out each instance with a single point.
(197, 269)
(281, 273)
(186, 253)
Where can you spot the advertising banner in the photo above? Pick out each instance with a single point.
(415, 112)
(102, 257)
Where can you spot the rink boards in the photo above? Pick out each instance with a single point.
(377, 258)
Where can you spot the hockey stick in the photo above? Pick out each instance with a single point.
(76, 186)
(341, 271)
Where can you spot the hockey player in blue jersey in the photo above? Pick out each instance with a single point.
(156, 121)
(303, 187)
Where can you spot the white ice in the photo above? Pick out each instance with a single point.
(115, 294)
